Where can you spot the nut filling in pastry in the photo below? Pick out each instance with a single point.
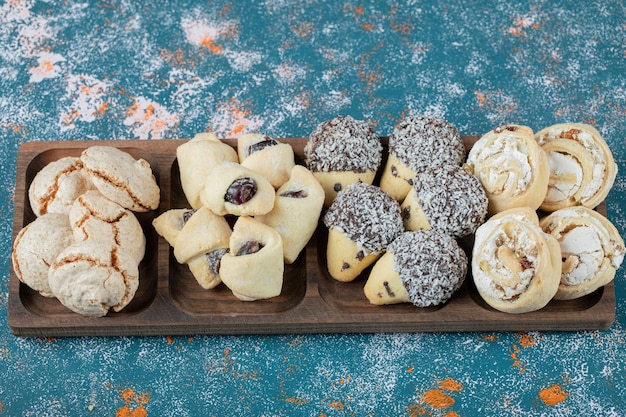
(591, 250)
(515, 265)
(511, 166)
(582, 168)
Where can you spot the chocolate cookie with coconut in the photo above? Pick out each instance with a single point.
(423, 267)
(416, 143)
(343, 151)
(361, 222)
(447, 198)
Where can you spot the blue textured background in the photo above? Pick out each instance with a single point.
(169, 69)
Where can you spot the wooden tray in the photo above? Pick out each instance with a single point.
(170, 302)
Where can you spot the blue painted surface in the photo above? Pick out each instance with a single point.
(122, 69)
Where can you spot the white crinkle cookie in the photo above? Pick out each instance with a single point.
(36, 247)
(57, 185)
(90, 278)
(95, 217)
(122, 178)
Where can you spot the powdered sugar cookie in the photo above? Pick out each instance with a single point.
(122, 178)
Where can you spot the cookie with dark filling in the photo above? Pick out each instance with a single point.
(267, 156)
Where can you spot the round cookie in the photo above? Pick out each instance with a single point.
(91, 277)
(511, 166)
(36, 247)
(582, 168)
(122, 178)
(95, 217)
(418, 142)
(516, 267)
(423, 267)
(342, 151)
(361, 222)
(447, 198)
(57, 185)
(591, 250)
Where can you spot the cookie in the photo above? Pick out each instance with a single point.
(361, 222)
(416, 143)
(447, 198)
(122, 178)
(267, 156)
(516, 266)
(423, 267)
(582, 168)
(91, 278)
(36, 247)
(591, 250)
(196, 159)
(296, 211)
(234, 189)
(342, 151)
(95, 217)
(57, 185)
(511, 166)
(253, 268)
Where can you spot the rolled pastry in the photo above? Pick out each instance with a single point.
(582, 169)
(511, 166)
(418, 142)
(296, 211)
(342, 151)
(253, 268)
(591, 250)
(447, 198)
(196, 159)
(234, 189)
(267, 156)
(361, 222)
(199, 239)
(423, 267)
(516, 267)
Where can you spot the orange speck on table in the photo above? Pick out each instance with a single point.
(128, 395)
(436, 398)
(553, 395)
(450, 384)
(210, 44)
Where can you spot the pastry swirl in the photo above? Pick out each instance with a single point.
(591, 250)
(516, 267)
(582, 168)
(511, 166)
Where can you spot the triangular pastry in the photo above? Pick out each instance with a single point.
(296, 211)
